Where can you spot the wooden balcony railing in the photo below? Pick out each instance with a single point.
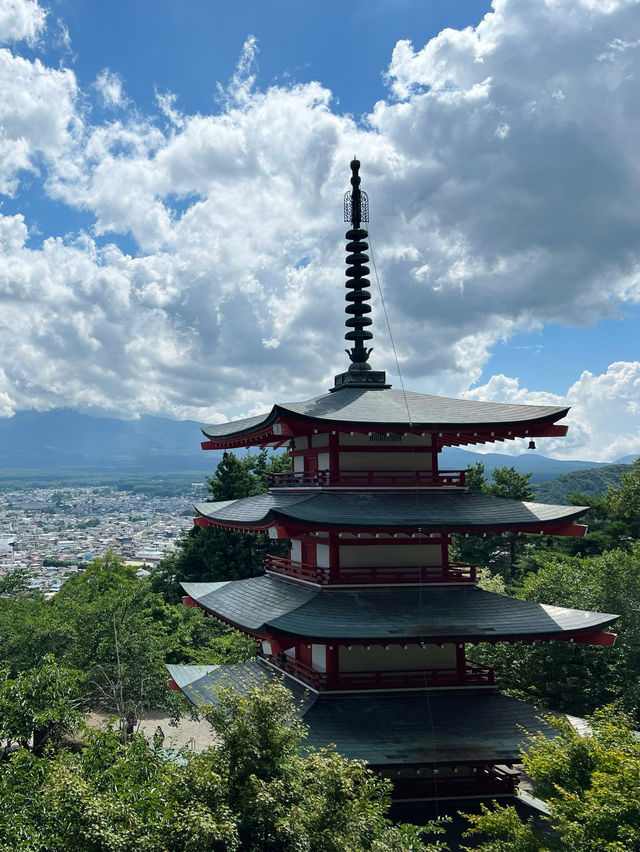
(301, 570)
(369, 479)
(484, 782)
(456, 572)
(473, 675)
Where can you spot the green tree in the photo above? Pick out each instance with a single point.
(209, 554)
(508, 483)
(624, 500)
(38, 704)
(571, 677)
(231, 479)
(475, 479)
(606, 529)
(499, 553)
(591, 784)
(256, 791)
(14, 581)
(111, 627)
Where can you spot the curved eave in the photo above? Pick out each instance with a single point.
(268, 606)
(459, 512)
(453, 421)
(390, 730)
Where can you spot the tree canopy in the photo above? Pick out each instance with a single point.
(591, 784)
(570, 677)
(116, 633)
(209, 554)
(256, 791)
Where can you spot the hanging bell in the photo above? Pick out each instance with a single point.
(292, 444)
(532, 444)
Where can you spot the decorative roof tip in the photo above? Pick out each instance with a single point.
(356, 211)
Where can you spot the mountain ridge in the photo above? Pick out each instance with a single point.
(63, 439)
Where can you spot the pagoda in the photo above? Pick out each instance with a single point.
(367, 620)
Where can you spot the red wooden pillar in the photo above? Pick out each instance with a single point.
(303, 653)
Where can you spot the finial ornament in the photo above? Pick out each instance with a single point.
(356, 211)
(356, 202)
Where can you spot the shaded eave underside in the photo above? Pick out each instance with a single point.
(423, 511)
(393, 729)
(382, 410)
(267, 605)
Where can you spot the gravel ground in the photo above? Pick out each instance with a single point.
(195, 735)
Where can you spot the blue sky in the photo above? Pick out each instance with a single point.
(170, 203)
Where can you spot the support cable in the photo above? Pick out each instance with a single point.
(420, 583)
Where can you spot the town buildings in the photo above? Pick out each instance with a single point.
(50, 532)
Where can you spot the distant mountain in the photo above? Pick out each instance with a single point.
(626, 459)
(592, 482)
(63, 440)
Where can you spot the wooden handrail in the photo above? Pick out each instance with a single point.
(458, 572)
(368, 478)
(473, 675)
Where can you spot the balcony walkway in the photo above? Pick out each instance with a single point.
(369, 479)
(361, 681)
(455, 572)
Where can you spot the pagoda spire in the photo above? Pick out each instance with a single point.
(356, 211)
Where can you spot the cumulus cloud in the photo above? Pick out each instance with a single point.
(604, 421)
(110, 89)
(503, 176)
(21, 20)
(38, 118)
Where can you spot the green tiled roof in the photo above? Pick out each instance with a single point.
(395, 729)
(184, 675)
(201, 683)
(425, 509)
(271, 605)
(357, 406)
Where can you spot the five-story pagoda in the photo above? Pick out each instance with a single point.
(367, 619)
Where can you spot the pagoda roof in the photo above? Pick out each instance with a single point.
(359, 407)
(269, 605)
(451, 510)
(391, 729)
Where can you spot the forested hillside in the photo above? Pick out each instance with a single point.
(593, 482)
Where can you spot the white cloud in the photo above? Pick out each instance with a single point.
(503, 179)
(21, 20)
(604, 421)
(38, 117)
(110, 89)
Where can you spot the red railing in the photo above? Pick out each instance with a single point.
(369, 479)
(308, 479)
(456, 572)
(473, 675)
(483, 782)
(301, 570)
(318, 680)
